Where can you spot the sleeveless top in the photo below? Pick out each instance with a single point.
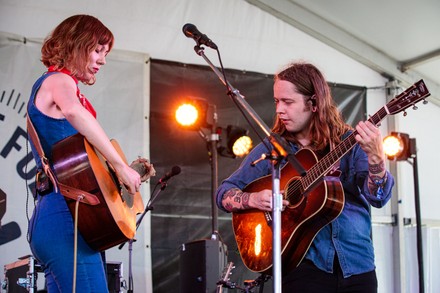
(50, 130)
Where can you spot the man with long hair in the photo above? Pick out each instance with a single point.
(340, 257)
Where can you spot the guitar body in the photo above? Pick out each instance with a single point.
(113, 220)
(309, 211)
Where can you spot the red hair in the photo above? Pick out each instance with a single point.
(327, 125)
(71, 42)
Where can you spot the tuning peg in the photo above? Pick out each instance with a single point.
(415, 107)
(404, 113)
(425, 102)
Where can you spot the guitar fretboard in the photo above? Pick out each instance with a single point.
(409, 97)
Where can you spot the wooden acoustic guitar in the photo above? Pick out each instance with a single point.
(315, 199)
(113, 220)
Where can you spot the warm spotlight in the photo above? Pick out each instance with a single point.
(242, 146)
(238, 143)
(191, 113)
(397, 146)
(187, 114)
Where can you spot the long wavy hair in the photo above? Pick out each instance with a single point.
(71, 42)
(327, 125)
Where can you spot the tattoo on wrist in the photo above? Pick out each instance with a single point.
(373, 187)
(246, 196)
(376, 168)
(376, 184)
(378, 180)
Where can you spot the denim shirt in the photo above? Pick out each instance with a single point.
(349, 235)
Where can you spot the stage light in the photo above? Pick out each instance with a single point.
(400, 147)
(397, 146)
(186, 114)
(191, 114)
(238, 142)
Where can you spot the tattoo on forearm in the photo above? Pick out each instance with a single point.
(235, 199)
(229, 207)
(376, 184)
(373, 186)
(230, 193)
(376, 168)
(245, 196)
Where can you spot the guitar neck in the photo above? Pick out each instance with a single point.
(410, 96)
(328, 161)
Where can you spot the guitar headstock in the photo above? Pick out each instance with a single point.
(224, 279)
(227, 271)
(409, 97)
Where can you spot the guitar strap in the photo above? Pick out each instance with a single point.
(67, 191)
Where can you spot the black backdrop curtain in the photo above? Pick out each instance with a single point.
(182, 212)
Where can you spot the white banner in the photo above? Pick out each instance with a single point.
(121, 98)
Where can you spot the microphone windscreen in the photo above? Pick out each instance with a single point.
(189, 29)
(175, 170)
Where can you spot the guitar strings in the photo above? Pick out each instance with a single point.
(397, 104)
(324, 165)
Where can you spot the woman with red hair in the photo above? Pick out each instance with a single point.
(75, 51)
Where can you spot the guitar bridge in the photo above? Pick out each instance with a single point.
(268, 217)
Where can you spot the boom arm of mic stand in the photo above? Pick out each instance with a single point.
(149, 207)
(280, 146)
(277, 142)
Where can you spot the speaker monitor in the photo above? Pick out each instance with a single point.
(201, 265)
(114, 276)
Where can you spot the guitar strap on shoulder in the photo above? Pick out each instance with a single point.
(67, 191)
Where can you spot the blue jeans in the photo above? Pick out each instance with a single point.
(52, 243)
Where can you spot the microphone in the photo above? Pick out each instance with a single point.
(191, 31)
(174, 171)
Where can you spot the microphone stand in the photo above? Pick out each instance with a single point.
(281, 149)
(212, 141)
(148, 207)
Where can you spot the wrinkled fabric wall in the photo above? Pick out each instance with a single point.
(182, 212)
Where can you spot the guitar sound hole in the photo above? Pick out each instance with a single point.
(294, 193)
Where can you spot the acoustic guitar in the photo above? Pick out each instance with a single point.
(113, 220)
(316, 199)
